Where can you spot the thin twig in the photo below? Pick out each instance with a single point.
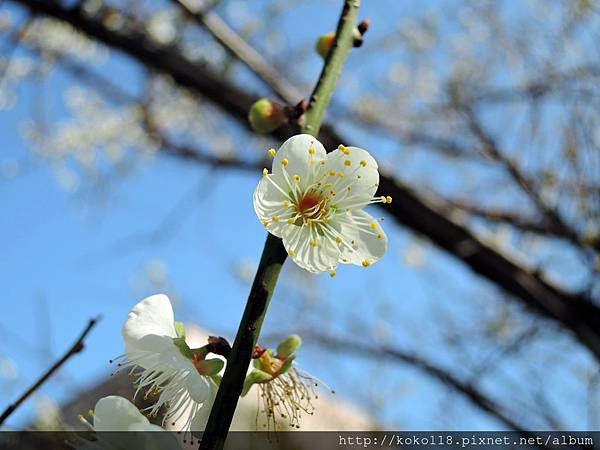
(243, 51)
(75, 348)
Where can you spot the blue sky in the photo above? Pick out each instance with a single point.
(68, 256)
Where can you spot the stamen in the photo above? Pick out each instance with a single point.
(272, 152)
(343, 149)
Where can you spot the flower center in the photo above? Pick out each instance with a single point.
(312, 206)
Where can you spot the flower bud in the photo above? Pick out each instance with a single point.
(288, 346)
(324, 43)
(266, 116)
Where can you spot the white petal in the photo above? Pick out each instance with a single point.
(150, 325)
(116, 413)
(320, 258)
(201, 417)
(299, 159)
(361, 175)
(369, 244)
(268, 202)
(198, 386)
(172, 358)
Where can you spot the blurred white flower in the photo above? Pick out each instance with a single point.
(314, 201)
(163, 365)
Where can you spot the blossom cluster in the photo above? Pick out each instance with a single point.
(313, 201)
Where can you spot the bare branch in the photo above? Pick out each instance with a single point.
(75, 348)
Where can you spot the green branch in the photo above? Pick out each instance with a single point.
(274, 253)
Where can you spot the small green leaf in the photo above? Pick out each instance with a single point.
(287, 364)
(217, 379)
(183, 347)
(256, 376)
(180, 329)
(289, 346)
(210, 367)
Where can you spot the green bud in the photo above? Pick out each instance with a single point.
(266, 116)
(256, 376)
(180, 329)
(323, 45)
(209, 367)
(288, 346)
(287, 364)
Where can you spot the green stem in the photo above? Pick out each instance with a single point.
(344, 39)
(274, 253)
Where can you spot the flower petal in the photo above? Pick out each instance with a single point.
(114, 413)
(322, 257)
(360, 177)
(200, 419)
(365, 235)
(150, 326)
(299, 158)
(269, 202)
(198, 386)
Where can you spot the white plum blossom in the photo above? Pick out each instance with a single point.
(161, 363)
(314, 202)
(114, 414)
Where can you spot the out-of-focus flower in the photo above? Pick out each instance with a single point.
(162, 364)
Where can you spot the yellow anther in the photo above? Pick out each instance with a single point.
(388, 199)
(333, 193)
(340, 174)
(347, 162)
(381, 218)
(332, 173)
(292, 253)
(309, 222)
(265, 172)
(275, 218)
(322, 162)
(271, 152)
(296, 178)
(286, 204)
(265, 222)
(285, 161)
(379, 235)
(313, 243)
(327, 185)
(90, 412)
(338, 240)
(290, 221)
(332, 273)
(311, 150)
(363, 163)
(343, 149)
(383, 199)
(366, 263)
